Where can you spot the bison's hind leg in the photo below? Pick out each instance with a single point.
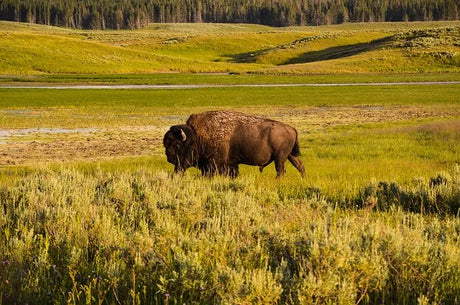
(297, 164)
(279, 165)
(281, 159)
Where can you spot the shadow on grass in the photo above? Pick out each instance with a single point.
(246, 58)
(325, 54)
(339, 52)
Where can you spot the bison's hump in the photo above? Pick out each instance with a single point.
(219, 125)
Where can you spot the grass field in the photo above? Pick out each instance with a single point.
(90, 212)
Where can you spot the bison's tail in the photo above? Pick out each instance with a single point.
(295, 150)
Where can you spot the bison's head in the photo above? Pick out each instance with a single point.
(180, 148)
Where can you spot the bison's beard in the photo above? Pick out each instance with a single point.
(182, 163)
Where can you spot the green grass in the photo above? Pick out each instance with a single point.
(333, 164)
(184, 99)
(349, 136)
(345, 49)
(223, 79)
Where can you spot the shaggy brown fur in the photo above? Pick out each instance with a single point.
(223, 139)
(214, 129)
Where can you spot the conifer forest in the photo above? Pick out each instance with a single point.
(131, 14)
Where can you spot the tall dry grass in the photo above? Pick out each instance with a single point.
(75, 237)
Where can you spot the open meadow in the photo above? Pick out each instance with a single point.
(91, 213)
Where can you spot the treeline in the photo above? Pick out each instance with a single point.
(118, 14)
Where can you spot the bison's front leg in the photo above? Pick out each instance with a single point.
(207, 169)
(208, 172)
(178, 169)
(233, 171)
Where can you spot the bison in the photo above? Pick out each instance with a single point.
(218, 141)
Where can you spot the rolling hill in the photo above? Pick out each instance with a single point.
(27, 49)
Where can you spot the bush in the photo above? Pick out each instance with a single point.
(440, 196)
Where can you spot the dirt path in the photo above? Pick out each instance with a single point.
(175, 87)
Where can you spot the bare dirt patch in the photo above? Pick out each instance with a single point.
(317, 118)
(78, 145)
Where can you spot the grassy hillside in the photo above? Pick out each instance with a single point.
(349, 48)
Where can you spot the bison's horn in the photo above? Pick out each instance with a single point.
(184, 137)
